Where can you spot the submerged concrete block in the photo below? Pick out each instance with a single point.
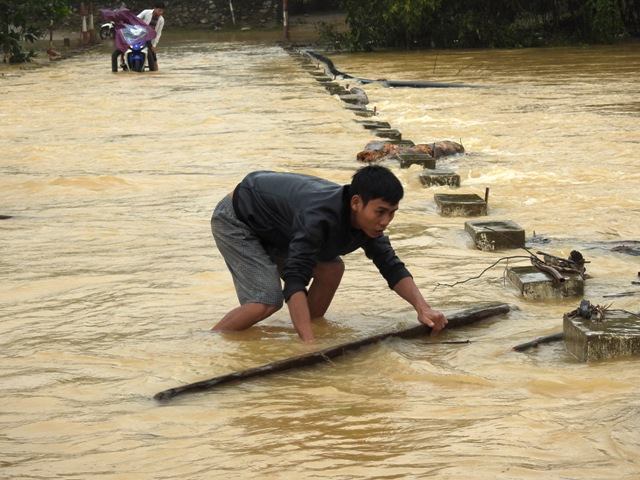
(496, 234)
(354, 99)
(335, 88)
(408, 159)
(430, 177)
(373, 124)
(356, 108)
(460, 204)
(401, 143)
(391, 133)
(537, 285)
(364, 113)
(618, 335)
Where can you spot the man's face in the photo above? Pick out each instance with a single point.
(158, 12)
(372, 218)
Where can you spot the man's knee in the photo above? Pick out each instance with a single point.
(264, 310)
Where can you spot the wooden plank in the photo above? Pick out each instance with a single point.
(459, 319)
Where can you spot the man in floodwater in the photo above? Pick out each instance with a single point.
(296, 227)
(154, 17)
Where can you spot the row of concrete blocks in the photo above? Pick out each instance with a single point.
(587, 340)
(431, 176)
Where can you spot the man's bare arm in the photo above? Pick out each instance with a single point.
(408, 290)
(300, 316)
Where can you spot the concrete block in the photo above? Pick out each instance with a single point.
(373, 124)
(365, 113)
(618, 335)
(334, 88)
(537, 285)
(408, 159)
(354, 99)
(496, 234)
(388, 133)
(460, 204)
(431, 177)
(401, 143)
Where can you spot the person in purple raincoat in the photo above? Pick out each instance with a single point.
(130, 30)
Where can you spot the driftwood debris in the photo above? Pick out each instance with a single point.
(555, 337)
(458, 319)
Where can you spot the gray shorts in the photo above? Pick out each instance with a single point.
(255, 274)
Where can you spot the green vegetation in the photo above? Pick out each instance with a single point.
(25, 21)
(483, 23)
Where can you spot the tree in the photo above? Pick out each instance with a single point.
(487, 23)
(27, 20)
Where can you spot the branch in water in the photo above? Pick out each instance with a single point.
(481, 273)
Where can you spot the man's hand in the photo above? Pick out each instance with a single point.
(432, 318)
(408, 290)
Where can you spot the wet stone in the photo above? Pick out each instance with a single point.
(354, 99)
(335, 89)
(495, 235)
(618, 335)
(5, 217)
(364, 113)
(323, 79)
(460, 204)
(388, 133)
(401, 143)
(536, 285)
(356, 108)
(422, 159)
(373, 124)
(431, 177)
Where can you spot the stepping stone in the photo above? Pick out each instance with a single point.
(618, 335)
(355, 108)
(354, 99)
(318, 73)
(5, 217)
(373, 124)
(408, 159)
(335, 88)
(323, 79)
(537, 285)
(388, 133)
(495, 235)
(439, 177)
(401, 143)
(460, 204)
(364, 113)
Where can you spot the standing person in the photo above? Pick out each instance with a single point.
(296, 227)
(154, 17)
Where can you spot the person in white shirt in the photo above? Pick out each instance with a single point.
(154, 17)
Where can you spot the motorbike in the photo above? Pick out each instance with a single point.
(131, 38)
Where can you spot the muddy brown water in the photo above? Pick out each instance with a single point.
(110, 280)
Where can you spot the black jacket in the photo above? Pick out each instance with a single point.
(304, 220)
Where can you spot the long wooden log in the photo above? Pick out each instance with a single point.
(464, 317)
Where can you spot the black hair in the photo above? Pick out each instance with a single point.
(159, 5)
(376, 181)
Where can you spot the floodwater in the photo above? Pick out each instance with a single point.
(109, 279)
